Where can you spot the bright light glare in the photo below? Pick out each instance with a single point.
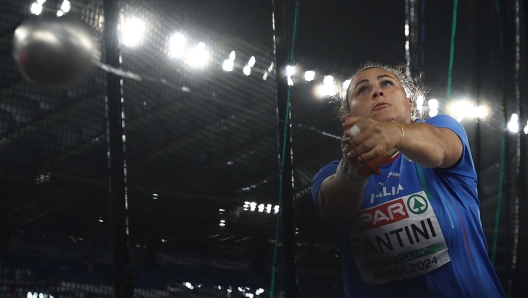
(133, 31)
(481, 112)
(198, 57)
(406, 30)
(232, 56)
(247, 70)
(259, 291)
(60, 13)
(41, 1)
(290, 70)
(177, 43)
(66, 6)
(433, 104)
(36, 8)
(189, 285)
(228, 65)
(309, 75)
(252, 61)
(513, 125)
(270, 68)
(461, 109)
(328, 80)
(328, 88)
(346, 84)
(419, 101)
(221, 224)
(433, 113)
(526, 128)
(466, 109)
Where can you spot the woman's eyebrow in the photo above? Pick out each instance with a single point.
(379, 78)
(362, 81)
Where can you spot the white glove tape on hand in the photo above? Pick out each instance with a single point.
(353, 131)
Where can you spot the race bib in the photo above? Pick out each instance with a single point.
(398, 239)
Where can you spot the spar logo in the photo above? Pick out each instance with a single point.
(417, 204)
(383, 214)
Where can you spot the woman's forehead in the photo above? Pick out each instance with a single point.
(374, 72)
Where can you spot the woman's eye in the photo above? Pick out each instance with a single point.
(362, 89)
(386, 83)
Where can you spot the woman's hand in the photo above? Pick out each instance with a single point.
(375, 142)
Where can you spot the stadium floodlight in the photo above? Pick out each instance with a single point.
(309, 75)
(36, 8)
(199, 57)
(132, 32)
(177, 44)
(513, 125)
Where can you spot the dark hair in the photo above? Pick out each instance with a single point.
(411, 84)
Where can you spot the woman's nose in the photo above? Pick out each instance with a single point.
(377, 93)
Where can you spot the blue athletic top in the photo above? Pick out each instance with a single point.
(418, 231)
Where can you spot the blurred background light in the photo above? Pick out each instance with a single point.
(177, 43)
(328, 80)
(198, 57)
(433, 104)
(419, 101)
(228, 65)
(36, 8)
(290, 70)
(328, 88)
(513, 125)
(309, 75)
(345, 85)
(252, 61)
(66, 6)
(132, 32)
(247, 70)
(467, 109)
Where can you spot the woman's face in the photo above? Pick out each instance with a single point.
(379, 94)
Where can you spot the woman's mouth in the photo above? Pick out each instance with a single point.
(380, 106)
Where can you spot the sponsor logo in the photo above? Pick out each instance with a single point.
(393, 175)
(417, 204)
(383, 214)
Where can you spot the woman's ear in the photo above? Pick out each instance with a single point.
(411, 105)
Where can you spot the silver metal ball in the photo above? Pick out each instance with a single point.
(54, 52)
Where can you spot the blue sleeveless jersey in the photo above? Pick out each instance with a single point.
(418, 231)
